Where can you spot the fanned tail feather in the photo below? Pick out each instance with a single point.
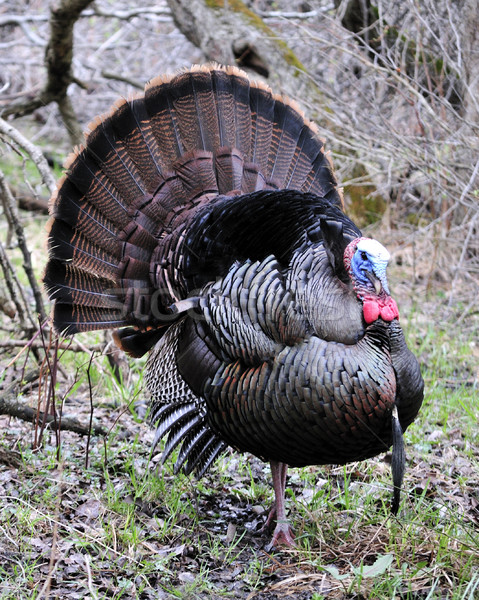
(155, 160)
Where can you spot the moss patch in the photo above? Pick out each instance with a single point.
(364, 204)
(253, 19)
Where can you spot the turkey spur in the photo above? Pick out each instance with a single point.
(203, 222)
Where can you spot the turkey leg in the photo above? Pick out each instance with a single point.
(282, 535)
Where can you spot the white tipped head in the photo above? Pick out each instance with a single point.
(367, 260)
(374, 249)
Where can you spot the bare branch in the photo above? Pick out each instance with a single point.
(11, 212)
(7, 306)
(58, 58)
(278, 14)
(124, 15)
(132, 12)
(21, 19)
(33, 151)
(70, 346)
(116, 77)
(15, 290)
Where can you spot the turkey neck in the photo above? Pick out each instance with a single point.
(338, 396)
(331, 307)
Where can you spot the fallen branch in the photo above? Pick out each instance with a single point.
(71, 346)
(10, 405)
(10, 458)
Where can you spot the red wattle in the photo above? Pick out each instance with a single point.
(379, 307)
(370, 311)
(389, 311)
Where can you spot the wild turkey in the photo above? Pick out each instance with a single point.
(203, 220)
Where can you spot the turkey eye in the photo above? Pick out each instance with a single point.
(364, 256)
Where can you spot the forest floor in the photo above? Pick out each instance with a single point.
(99, 518)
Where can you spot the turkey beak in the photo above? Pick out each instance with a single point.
(378, 286)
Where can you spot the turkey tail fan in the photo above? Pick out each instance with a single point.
(146, 169)
(217, 109)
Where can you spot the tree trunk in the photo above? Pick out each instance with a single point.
(229, 33)
(470, 37)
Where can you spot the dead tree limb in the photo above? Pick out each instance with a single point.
(12, 407)
(58, 58)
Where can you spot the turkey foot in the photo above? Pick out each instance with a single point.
(271, 518)
(283, 534)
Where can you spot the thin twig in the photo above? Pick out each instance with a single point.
(128, 80)
(33, 152)
(70, 346)
(13, 217)
(90, 395)
(53, 550)
(16, 291)
(90, 578)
